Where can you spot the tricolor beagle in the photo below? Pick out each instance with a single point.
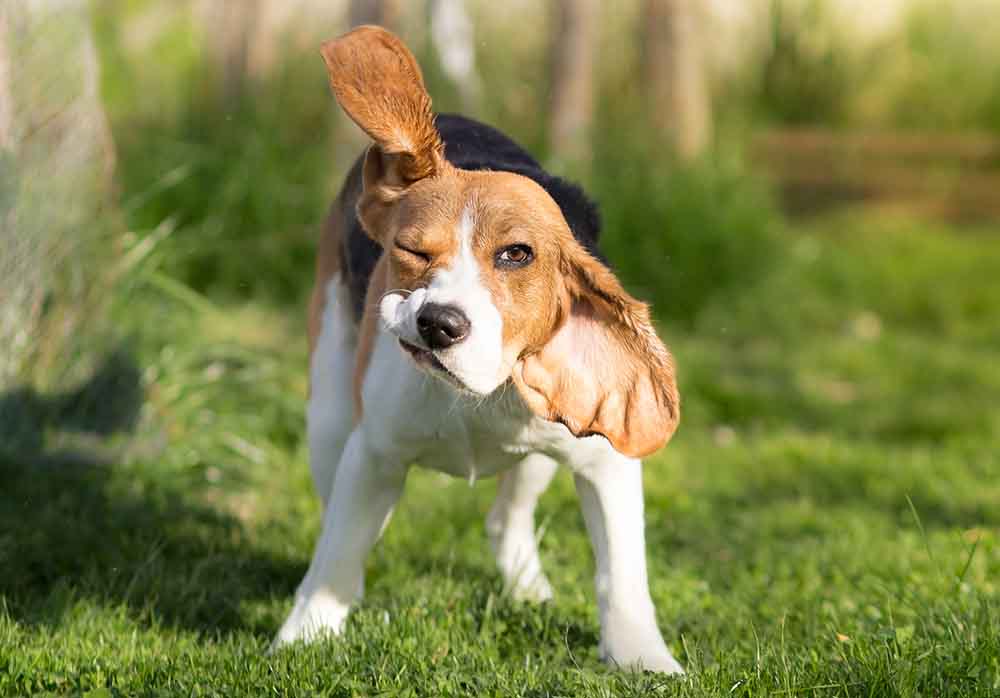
(462, 319)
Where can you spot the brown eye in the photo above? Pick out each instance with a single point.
(515, 256)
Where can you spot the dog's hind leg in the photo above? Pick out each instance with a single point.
(511, 527)
(331, 411)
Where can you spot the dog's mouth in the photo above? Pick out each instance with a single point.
(425, 359)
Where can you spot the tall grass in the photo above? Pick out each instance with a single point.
(244, 183)
(54, 222)
(684, 235)
(944, 73)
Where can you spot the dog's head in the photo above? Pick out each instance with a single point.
(486, 281)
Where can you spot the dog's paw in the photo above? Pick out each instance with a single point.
(638, 649)
(312, 618)
(650, 659)
(537, 590)
(662, 663)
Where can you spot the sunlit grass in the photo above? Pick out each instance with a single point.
(825, 523)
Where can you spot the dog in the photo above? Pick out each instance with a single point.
(463, 319)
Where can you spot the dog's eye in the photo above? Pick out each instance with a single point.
(514, 256)
(412, 252)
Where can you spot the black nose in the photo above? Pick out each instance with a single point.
(442, 325)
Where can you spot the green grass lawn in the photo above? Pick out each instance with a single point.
(825, 522)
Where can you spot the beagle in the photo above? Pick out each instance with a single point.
(463, 319)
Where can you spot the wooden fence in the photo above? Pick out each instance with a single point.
(951, 176)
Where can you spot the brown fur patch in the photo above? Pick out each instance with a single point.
(513, 210)
(379, 85)
(604, 371)
(421, 234)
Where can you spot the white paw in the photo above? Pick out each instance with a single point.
(313, 617)
(638, 649)
(535, 590)
(517, 557)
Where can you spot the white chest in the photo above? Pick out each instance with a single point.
(410, 417)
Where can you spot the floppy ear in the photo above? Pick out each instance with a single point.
(378, 84)
(604, 370)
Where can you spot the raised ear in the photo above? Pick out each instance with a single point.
(378, 84)
(604, 370)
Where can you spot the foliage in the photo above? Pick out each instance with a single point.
(946, 45)
(244, 183)
(812, 67)
(808, 72)
(684, 235)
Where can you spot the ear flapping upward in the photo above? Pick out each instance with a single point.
(604, 370)
(378, 83)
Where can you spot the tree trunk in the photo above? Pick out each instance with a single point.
(230, 28)
(349, 140)
(55, 160)
(674, 71)
(454, 40)
(6, 89)
(572, 94)
(286, 28)
(381, 12)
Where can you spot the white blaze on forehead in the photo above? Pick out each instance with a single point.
(477, 361)
(463, 273)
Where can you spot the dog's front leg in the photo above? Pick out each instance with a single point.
(610, 493)
(365, 491)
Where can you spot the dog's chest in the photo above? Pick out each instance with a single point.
(471, 438)
(415, 418)
(478, 439)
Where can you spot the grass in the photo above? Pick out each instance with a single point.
(825, 523)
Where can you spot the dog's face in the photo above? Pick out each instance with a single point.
(474, 263)
(485, 281)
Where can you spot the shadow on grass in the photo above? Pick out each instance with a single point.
(78, 527)
(107, 403)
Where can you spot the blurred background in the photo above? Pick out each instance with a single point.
(191, 147)
(808, 192)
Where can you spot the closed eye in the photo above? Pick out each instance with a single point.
(419, 255)
(514, 256)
